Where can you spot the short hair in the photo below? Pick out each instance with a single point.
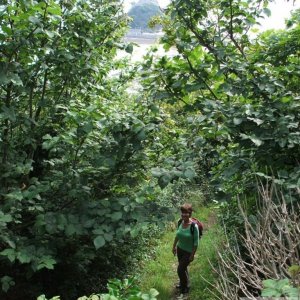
(186, 207)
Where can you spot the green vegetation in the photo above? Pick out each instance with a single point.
(284, 287)
(280, 288)
(75, 189)
(118, 290)
(235, 99)
(87, 167)
(232, 105)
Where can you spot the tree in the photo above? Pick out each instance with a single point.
(72, 148)
(237, 93)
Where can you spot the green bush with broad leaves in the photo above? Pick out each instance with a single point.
(233, 96)
(287, 287)
(75, 177)
(280, 288)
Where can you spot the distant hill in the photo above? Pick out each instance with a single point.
(141, 13)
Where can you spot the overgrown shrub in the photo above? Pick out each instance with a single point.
(117, 290)
(75, 177)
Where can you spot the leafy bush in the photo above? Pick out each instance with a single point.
(74, 177)
(287, 288)
(280, 288)
(233, 99)
(117, 290)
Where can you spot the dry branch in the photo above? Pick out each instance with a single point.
(272, 245)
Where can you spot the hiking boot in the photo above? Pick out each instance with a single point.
(184, 290)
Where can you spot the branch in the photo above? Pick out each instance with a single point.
(231, 32)
(200, 78)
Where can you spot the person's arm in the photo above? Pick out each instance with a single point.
(193, 253)
(196, 242)
(174, 250)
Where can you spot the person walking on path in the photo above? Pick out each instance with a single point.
(185, 245)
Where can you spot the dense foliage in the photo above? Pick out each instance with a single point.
(233, 98)
(77, 149)
(118, 290)
(74, 184)
(235, 94)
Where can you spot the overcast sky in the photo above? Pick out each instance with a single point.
(280, 11)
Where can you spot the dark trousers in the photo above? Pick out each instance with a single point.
(182, 271)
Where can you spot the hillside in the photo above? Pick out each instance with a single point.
(141, 13)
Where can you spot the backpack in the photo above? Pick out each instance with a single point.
(194, 221)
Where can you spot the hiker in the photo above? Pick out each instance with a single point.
(185, 245)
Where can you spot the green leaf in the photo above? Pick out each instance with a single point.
(164, 180)
(4, 79)
(267, 11)
(270, 283)
(270, 292)
(50, 34)
(293, 293)
(10, 254)
(7, 282)
(89, 42)
(129, 48)
(23, 257)
(256, 120)
(108, 237)
(134, 232)
(54, 9)
(156, 172)
(5, 218)
(46, 262)
(237, 121)
(189, 173)
(154, 292)
(99, 242)
(193, 87)
(116, 216)
(34, 20)
(253, 138)
(282, 283)
(70, 230)
(9, 113)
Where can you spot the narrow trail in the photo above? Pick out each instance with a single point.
(208, 224)
(161, 272)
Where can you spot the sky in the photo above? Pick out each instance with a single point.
(280, 10)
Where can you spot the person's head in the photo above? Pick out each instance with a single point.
(186, 208)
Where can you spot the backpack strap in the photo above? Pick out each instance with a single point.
(192, 231)
(179, 222)
(193, 227)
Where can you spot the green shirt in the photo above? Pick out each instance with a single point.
(185, 238)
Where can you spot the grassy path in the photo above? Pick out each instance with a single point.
(161, 272)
